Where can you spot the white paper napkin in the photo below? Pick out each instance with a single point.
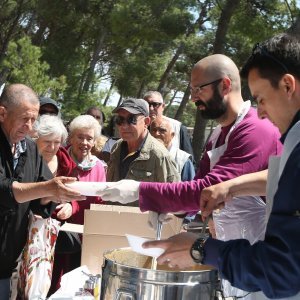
(87, 188)
(136, 242)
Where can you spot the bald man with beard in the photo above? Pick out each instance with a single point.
(234, 148)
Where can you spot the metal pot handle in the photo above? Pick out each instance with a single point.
(124, 292)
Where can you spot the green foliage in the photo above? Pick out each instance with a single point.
(24, 65)
(66, 48)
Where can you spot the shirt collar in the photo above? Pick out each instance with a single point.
(295, 120)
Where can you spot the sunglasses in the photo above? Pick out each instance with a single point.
(197, 89)
(264, 52)
(155, 104)
(130, 120)
(96, 117)
(47, 112)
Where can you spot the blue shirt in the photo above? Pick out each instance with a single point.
(273, 265)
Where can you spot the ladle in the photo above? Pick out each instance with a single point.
(158, 236)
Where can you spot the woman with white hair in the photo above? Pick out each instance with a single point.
(83, 132)
(50, 134)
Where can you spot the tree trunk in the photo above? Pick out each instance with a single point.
(93, 62)
(224, 21)
(183, 103)
(140, 91)
(295, 28)
(109, 92)
(170, 102)
(120, 100)
(201, 19)
(166, 74)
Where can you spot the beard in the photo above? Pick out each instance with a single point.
(214, 107)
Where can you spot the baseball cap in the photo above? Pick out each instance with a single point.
(47, 100)
(134, 106)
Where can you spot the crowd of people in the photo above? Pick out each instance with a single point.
(247, 180)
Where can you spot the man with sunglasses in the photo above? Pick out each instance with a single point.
(235, 148)
(48, 107)
(138, 155)
(181, 138)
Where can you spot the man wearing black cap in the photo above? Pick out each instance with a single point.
(138, 155)
(48, 106)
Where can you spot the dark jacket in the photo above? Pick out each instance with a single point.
(13, 215)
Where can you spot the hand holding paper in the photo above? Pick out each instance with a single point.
(88, 188)
(136, 243)
(124, 191)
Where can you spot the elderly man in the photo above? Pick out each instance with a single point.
(156, 106)
(138, 155)
(24, 177)
(235, 148)
(163, 131)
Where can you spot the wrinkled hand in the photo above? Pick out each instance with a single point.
(64, 211)
(177, 250)
(214, 197)
(124, 191)
(60, 192)
(154, 217)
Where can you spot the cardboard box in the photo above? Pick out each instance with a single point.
(105, 227)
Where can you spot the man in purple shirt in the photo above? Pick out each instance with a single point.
(235, 148)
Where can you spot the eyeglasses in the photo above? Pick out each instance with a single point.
(263, 51)
(155, 104)
(130, 120)
(197, 89)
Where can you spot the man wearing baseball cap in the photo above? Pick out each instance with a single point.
(48, 106)
(138, 155)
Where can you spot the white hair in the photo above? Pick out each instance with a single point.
(150, 94)
(85, 121)
(49, 124)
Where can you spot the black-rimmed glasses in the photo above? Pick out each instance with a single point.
(198, 88)
(130, 120)
(264, 52)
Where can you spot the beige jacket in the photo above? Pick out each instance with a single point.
(153, 165)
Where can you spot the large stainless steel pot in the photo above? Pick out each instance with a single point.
(126, 275)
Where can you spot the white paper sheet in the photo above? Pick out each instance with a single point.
(136, 242)
(87, 188)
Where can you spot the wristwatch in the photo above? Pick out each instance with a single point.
(197, 250)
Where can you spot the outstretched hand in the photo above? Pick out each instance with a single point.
(123, 191)
(60, 192)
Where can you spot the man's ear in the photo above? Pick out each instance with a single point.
(3, 113)
(147, 121)
(226, 85)
(289, 84)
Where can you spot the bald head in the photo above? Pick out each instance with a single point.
(218, 66)
(15, 94)
(162, 130)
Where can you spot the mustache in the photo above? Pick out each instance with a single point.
(200, 102)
